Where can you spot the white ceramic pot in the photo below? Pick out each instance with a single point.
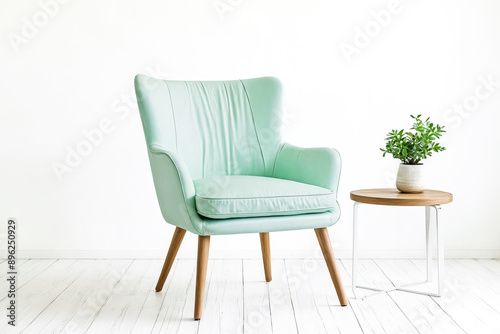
(411, 178)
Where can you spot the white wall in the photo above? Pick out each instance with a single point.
(74, 72)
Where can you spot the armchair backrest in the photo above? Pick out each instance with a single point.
(215, 127)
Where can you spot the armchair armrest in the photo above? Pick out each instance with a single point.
(174, 189)
(316, 166)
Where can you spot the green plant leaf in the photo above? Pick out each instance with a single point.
(416, 144)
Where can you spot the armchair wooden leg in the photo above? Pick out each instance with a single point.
(201, 274)
(326, 248)
(172, 252)
(266, 255)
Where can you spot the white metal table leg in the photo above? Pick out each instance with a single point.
(428, 242)
(440, 250)
(355, 248)
(440, 255)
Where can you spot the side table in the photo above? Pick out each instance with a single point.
(431, 200)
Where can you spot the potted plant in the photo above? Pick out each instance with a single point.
(411, 147)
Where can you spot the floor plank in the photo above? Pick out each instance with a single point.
(176, 313)
(423, 311)
(29, 271)
(307, 317)
(38, 293)
(223, 305)
(280, 303)
(121, 310)
(473, 272)
(462, 303)
(492, 265)
(257, 308)
(316, 305)
(151, 309)
(377, 313)
(337, 319)
(4, 265)
(92, 292)
(72, 310)
(117, 296)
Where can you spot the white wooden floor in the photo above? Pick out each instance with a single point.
(117, 296)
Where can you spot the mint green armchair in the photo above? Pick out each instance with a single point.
(220, 166)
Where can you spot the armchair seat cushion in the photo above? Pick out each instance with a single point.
(239, 196)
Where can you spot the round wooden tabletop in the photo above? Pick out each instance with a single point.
(392, 196)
